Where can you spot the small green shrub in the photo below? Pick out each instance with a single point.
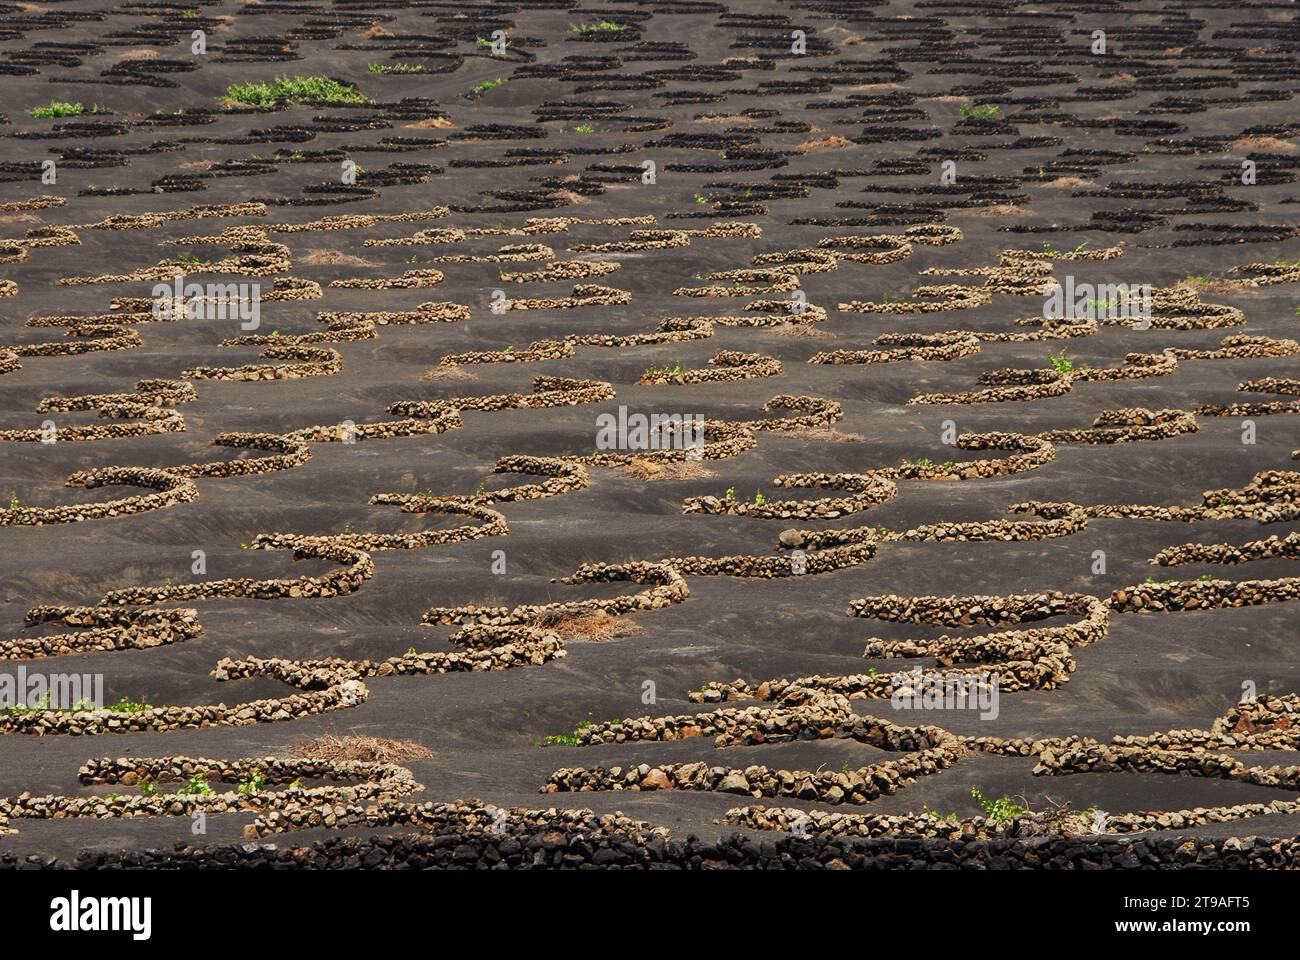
(568, 739)
(1060, 362)
(197, 786)
(385, 68)
(998, 811)
(55, 109)
(292, 90)
(603, 26)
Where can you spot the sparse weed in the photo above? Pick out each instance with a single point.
(197, 786)
(568, 739)
(1060, 362)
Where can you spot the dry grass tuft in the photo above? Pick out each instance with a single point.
(806, 331)
(1209, 286)
(376, 30)
(318, 258)
(430, 123)
(825, 435)
(846, 37)
(1067, 183)
(449, 371)
(1000, 210)
(832, 142)
(732, 119)
(647, 468)
(1263, 143)
(592, 627)
(355, 747)
(568, 196)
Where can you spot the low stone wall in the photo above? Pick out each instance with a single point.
(323, 691)
(817, 719)
(1241, 345)
(845, 786)
(1174, 308)
(359, 567)
(171, 490)
(146, 221)
(1019, 659)
(411, 279)
(88, 338)
(103, 628)
(1006, 531)
(1271, 548)
(824, 551)
(743, 283)
(931, 298)
(1129, 425)
(1075, 824)
(1262, 385)
(341, 432)
(868, 490)
(562, 476)
(432, 311)
(548, 391)
(906, 346)
(557, 845)
(356, 781)
(728, 366)
(535, 353)
(667, 587)
(563, 270)
(1092, 757)
(287, 453)
(308, 362)
(493, 525)
(584, 295)
(1271, 496)
(1204, 594)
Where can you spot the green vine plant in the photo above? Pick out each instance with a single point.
(998, 811)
